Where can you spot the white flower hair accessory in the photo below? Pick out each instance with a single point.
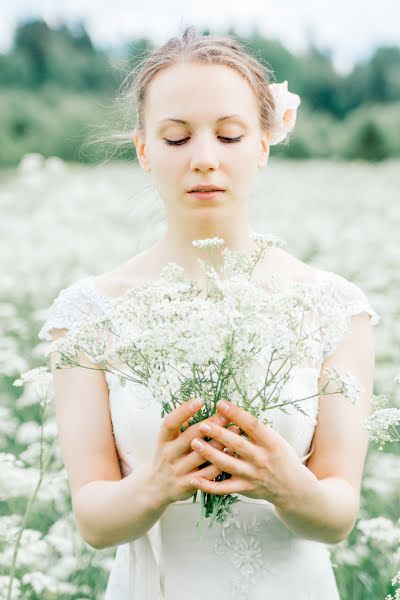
(286, 105)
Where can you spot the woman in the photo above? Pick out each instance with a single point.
(207, 117)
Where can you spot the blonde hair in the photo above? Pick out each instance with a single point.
(192, 48)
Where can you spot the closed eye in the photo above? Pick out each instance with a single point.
(226, 140)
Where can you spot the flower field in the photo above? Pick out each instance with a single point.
(65, 221)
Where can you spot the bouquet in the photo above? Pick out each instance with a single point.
(240, 340)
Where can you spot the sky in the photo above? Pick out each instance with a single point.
(349, 29)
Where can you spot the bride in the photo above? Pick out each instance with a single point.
(206, 117)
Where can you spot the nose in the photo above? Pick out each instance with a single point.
(204, 155)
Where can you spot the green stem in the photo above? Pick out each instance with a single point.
(42, 469)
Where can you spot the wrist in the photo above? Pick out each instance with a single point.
(158, 497)
(307, 489)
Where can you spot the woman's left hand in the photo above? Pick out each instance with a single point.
(267, 467)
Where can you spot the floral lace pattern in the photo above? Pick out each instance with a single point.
(240, 540)
(351, 298)
(70, 306)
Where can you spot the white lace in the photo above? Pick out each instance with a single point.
(82, 297)
(71, 304)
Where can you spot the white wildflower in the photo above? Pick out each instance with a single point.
(31, 162)
(38, 384)
(208, 242)
(16, 588)
(396, 579)
(348, 384)
(268, 239)
(9, 526)
(384, 425)
(41, 583)
(378, 401)
(39, 376)
(379, 531)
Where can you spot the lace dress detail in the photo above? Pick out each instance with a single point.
(240, 540)
(253, 555)
(350, 298)
(71, 305)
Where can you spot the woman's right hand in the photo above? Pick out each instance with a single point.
(175, 462)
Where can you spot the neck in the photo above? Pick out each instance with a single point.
(176, 246)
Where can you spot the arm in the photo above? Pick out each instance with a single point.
(326, 507)
(108, 510)
(327, 511)
(116, 512)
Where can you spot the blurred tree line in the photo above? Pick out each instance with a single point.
(56, 88)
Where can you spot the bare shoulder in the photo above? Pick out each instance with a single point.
(290, 267)
(133, 272)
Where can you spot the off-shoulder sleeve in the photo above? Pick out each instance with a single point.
(70, 306)
(353, 300)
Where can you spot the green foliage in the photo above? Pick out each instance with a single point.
(67, 124)
(56, 87)
(373, 134)
(368, 143)
(42, 55)
(51, 122)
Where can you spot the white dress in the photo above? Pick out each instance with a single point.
(253, 556)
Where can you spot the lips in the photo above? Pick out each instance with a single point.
(206, 188)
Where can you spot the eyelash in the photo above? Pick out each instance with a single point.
(180, 142)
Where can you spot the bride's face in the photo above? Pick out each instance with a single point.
(201, 95)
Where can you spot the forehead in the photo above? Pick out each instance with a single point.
(191, 93)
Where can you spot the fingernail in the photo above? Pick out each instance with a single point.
(222, 418)
(205, 428)
(197, 444)
(196, 403)
(222, 404)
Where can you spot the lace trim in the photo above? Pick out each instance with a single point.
(70, 306)
(352, 299)
(82, 297)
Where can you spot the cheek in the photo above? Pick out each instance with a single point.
(244, 161)
(171, 158)
(167, 165)
(248, 150)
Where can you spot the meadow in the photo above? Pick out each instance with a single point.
(63, 221)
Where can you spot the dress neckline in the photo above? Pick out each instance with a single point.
(319, 275)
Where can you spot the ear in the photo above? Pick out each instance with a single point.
(264, 154)
(140, 147)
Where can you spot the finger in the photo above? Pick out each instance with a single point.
(231, 440)
(221, 459)
(170, 427)
(208, 472)
(234, 429)
(182, 443)
(234, 485)
(193, 459)
(261, 433)
(184, 426)
(217, 417)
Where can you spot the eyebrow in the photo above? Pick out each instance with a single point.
(187, 122)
